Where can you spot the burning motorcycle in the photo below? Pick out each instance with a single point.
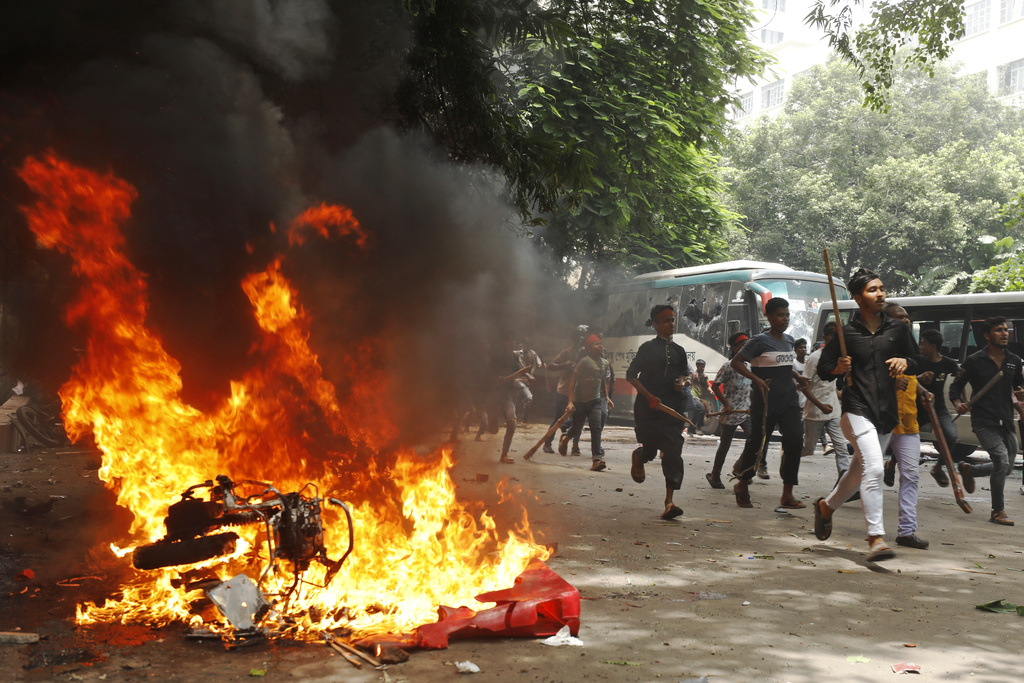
(293, 529)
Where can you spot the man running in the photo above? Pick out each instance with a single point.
(733, 390)
(992, 413)
(879, 350)
(773, 403)
(658, 372)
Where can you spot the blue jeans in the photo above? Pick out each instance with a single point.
(561, 403)
(1001, 444)
(589, 411)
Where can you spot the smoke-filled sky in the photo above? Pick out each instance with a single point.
(230, 115)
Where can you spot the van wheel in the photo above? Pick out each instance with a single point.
(190, 551)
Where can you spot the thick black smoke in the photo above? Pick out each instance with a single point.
(228, 116)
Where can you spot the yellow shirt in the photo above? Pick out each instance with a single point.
(906, 405)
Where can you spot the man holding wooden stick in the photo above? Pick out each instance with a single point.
(878, 350)
(658, 372)
(992, 414)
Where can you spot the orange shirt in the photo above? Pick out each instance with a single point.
(906, 405)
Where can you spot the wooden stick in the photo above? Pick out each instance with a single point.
(835, 311)
(369, 659)
(351, 660)
(947, 457)
(984, 390)
(558, 423)
(728, 412)
(665, 409)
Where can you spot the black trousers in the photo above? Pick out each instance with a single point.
(790, 426)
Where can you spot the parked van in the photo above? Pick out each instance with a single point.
(958, 317)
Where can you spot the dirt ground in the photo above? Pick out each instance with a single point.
(725, 593)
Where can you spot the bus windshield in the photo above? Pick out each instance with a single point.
(804, 298)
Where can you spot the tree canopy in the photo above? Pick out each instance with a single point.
(926, 28)
(915, 193)
(602, 115)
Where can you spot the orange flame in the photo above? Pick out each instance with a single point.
(416, 545)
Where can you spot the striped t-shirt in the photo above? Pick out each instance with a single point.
(771, 359)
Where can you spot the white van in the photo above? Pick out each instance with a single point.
(958, 317)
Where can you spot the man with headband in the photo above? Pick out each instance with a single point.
(879, 349)
(658, 372)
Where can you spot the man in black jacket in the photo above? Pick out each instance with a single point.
(992, 413)
(879, 349)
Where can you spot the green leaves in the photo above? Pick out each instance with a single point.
(928, 27)
(915, 193)
(603, 115)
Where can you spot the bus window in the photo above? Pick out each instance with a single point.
(738, 313)
(703, 311)
(804, 298)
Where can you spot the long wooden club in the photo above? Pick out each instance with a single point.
(558, 423)
(947, 457)
(835, 311)
(984, 390)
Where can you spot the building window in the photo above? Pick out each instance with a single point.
(773, 37)
(745, 106)
(1010, 77)
(1010, 10)
(774, 5)
(976, 18)
(771, 95)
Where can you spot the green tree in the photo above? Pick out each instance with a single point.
(915, 193)
(1008, 274)
(602, 115)
(925, 28)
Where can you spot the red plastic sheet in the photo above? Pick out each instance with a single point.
(539, 604)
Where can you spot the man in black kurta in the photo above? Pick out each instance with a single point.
(658, 372)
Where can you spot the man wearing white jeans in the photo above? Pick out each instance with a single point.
(878, 350)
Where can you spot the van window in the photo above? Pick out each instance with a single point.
(1014, 321)
(949, 320)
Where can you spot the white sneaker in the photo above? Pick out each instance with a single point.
(1022, 490)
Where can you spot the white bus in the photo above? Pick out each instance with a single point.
(958, 317)
(712, 302)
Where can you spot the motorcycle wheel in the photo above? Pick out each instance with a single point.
(42, 428)
(190, 551)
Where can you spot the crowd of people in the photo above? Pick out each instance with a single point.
(869, 387)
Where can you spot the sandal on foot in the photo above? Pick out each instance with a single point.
(742, 495)
(636, 470)
(822, 526)
(792, 505)
(716, 482)
(879, 551)
(940, 477)
(505, 460)
(967, 477)
(673, 512)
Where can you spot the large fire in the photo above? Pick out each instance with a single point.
(416, 545)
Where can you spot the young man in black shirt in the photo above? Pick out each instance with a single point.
(933, 371)
(879, 349)
(991, 414)
(658, 373)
